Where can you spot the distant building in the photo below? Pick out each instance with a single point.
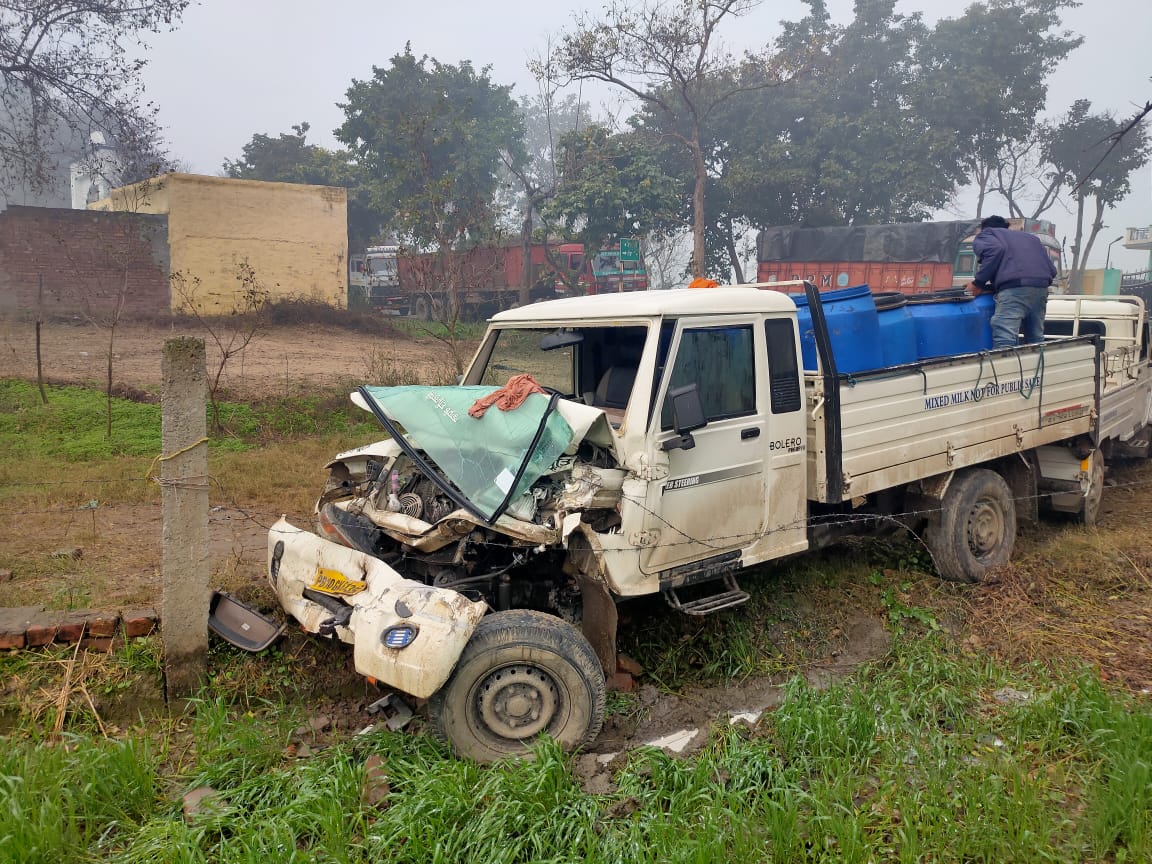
(96, 174)
(294, 237)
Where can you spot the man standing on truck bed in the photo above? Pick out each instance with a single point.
(1015, 266)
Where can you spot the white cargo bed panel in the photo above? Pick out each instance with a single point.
(901, 426)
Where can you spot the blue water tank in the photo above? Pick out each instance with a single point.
(897, 328)
(947, 322)
(853, 329)
(985, 306)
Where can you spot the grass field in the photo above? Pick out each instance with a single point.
(930, 755)
(1008, 722)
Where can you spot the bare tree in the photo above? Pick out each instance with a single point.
(668, 56)
(230, 334)
(70, 67)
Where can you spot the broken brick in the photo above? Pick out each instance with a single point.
(73, 626)
(14, 623)
(42, 629)
(103, 624)
(621, 682)
(138, 622)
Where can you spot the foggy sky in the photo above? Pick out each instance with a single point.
(236, 68)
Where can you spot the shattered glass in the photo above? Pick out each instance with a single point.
(479, 456)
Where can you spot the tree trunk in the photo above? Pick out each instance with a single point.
(1097, 227)
(39, 324)
(733, 255)
(1075, 275)
(698, 208)
(526, 258)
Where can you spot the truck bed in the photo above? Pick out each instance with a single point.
(876, 430)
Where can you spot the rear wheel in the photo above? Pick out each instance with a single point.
(976, 529)
(1090, 509)
(522, 674)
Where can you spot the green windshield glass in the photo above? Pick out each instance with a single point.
(480, 456)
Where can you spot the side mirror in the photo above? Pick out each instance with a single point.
(560, 339)
(687, 415)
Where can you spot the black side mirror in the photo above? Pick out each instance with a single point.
(687, 415)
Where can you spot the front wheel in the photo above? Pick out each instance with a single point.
(975, 531)
(522, 674)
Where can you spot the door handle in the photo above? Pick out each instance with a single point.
(748, 434)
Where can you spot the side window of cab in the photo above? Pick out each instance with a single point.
(721, 362)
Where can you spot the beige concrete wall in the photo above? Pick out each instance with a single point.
(149, 196)
(293, 237)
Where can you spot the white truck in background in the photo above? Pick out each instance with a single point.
(374, 278)
(478, 562)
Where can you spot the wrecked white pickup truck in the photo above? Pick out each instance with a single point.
(478, 561)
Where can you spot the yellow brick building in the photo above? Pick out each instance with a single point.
(293, 237)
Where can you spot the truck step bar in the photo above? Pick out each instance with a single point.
(733, 595)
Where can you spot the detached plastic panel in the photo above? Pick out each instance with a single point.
(241, 625)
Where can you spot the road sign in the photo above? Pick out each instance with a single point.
(629, 249)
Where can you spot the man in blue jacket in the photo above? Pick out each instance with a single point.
(1015, 266)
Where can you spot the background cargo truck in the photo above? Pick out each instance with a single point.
(913, 257)
(478, 561)
(486, 278)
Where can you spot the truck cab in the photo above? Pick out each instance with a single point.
(1045, 231)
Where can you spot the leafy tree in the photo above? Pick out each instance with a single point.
(432, 138)
(289, 158)
(611, 186)
(983, 78)
(1087, 152)
(67, 68)
(838, 142)
(668, 56)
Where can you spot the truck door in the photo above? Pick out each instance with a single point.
(712, 501)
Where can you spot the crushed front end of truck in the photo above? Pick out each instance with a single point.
(420, 535)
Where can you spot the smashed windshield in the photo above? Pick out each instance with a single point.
(492, 459)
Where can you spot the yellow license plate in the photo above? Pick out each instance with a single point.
(335, 582)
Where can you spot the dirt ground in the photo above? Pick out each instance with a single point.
(279, 361)
(119, 544)
(1070, 593)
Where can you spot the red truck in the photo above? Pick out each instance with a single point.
(911, 257)
(488, 278)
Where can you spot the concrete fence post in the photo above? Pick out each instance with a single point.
(184, 483)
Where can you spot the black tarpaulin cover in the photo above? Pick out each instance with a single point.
(909, 241)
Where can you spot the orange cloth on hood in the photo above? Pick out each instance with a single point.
(508, 397)
(702, 282)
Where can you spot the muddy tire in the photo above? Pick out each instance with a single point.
(1090, 508)
(976, 529)
(522, 674)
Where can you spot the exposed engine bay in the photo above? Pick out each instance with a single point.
(380, 501)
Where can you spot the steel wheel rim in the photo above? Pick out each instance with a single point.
(516, 702)
(985, 527)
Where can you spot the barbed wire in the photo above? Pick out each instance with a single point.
(830, 520)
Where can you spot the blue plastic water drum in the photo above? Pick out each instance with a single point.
(985, 305)
(947, 322)
(853, 329)
(897, 328)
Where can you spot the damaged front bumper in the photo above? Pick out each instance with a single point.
(404, 634)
